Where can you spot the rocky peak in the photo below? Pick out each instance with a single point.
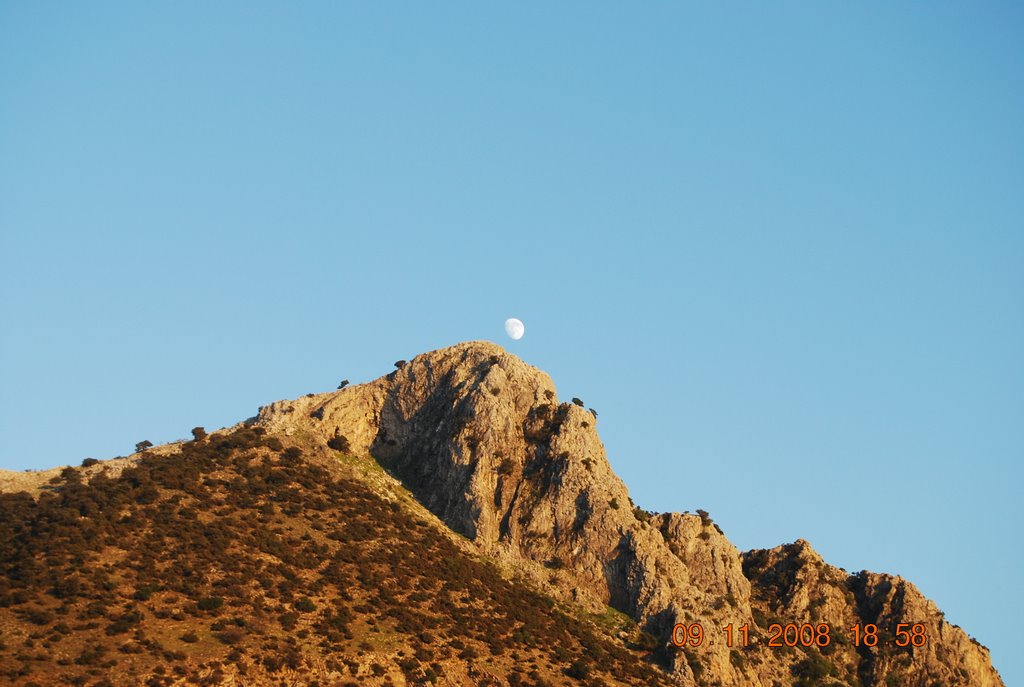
(482, 440)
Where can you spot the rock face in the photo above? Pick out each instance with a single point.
(481, 439)
(793, 582)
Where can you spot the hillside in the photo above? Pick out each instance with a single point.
(240, 558)
(449, 523)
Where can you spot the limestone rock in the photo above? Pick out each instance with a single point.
(792, 584)
(481, 439)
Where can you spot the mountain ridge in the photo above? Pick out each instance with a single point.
(479, 438)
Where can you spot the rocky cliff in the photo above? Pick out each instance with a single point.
(483, 441)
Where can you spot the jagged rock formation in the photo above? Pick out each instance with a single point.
(480, 438)
(793, 581)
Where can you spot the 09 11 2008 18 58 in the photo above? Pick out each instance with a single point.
(805, 634)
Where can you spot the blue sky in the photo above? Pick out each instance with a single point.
(778, 248)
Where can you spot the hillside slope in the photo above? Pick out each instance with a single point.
(241, 560)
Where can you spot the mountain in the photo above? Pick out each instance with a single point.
(450, 523)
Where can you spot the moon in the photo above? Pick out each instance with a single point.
(514, 328)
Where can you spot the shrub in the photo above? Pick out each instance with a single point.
(614, 504)
(647, 641)
(288, 620)
(143, 445)
(579, 669)
(577, 401)
(90, 655)
(305, 605)
(343, 384)
(89, 462)
(189, 637)
(230, 637)
(119, 627)
(506, 467)
(40, 617)
(399, 364)
(814, 669)
(555, 563)
(210, 603)
(339, 442)
(198, 433)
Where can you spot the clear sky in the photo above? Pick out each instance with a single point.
(779, 249)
